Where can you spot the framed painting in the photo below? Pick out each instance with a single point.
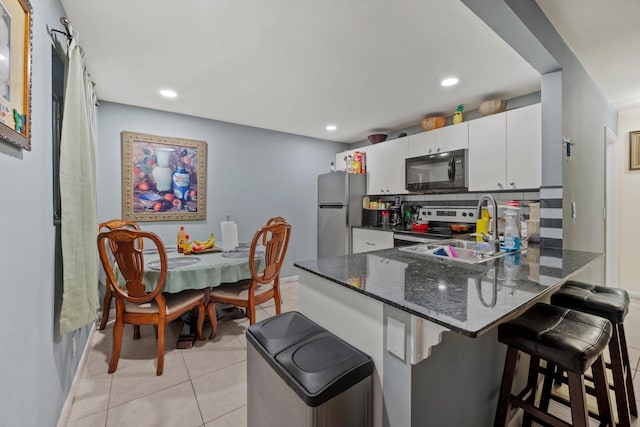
(634, 150)
(15, 72)
(163, 178)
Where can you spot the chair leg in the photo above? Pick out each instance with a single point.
(505, 387)
(106, 307)
(633, 408)
(118, 329)
(617, 370)
(276, 295)
(160, 368)
(211, 311)
(602, 391)
(549, 379)
(532, 384)
(201, 315)
(251, 311)
(579, 414)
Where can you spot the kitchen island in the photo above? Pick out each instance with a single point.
(430, 324)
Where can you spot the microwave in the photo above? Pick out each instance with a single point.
(438, 173)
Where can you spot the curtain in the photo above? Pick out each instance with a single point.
(78, 196)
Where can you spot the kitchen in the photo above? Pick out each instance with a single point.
(401, 304)
(299, 177)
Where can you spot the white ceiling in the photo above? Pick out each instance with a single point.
(605, 37)
(297, 65)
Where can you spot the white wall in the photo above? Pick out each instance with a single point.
(628, 206)
(37, 365)
(253, 174)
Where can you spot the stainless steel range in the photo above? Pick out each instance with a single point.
(440, 220)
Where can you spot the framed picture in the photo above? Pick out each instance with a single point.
(163, 178)
(634, 150)
(15, 72)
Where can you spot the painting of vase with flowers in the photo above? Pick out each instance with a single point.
(163, 178)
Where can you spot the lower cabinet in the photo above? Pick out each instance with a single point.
(366, 240)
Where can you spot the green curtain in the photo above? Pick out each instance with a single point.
(78, 196)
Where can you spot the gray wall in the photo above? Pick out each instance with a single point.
(253, 174)
(585, 113)
(38, 365)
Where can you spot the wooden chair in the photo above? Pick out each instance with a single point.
(262, 286)
(134, 304)
(106, 304)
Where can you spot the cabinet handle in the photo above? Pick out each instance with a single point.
(370, 244)
(438, 150)
(430, 150)
(513, 184)
(500, 185)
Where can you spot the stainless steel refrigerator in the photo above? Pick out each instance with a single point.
(339, 208)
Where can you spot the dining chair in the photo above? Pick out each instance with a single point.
(262, 287)
(269, 222)
(106, 304)
(134, 304)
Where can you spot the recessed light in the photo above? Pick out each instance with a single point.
(331, 128)
(449, 81)
(168, 93)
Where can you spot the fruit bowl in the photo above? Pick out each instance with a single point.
(493, 106)
(377, 137)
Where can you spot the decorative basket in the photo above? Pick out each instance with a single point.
(431, 123)
(492, 106)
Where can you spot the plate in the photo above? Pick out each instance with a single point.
(204, 251)
(174, 262)
(241, 254)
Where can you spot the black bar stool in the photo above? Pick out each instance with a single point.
(613, 305)
(573, 341)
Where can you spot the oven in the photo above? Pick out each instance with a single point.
(440, 220)
(405, 239)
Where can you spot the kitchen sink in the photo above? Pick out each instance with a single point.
(465, 251)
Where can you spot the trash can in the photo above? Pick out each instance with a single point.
(299, 374)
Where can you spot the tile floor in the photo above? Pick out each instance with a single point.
(204, 386)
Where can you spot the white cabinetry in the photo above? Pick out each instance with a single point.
(524, 147)
(385, 167)
(365, 240)
(488, 153)
(505, 150)
(448, 138)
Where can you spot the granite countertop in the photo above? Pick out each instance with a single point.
(466, 298)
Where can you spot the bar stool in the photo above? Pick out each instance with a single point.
(572, 340)
(613, 305)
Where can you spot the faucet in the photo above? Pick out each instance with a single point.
(494, 239)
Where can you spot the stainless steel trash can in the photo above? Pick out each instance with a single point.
(299, 374)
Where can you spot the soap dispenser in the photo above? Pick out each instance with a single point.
(511, 231)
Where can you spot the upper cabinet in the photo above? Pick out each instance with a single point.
(448, 138)
(524, 147)
(385, 167)
(487, 153)
(505, 150)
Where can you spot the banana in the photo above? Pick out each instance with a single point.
(208, 244)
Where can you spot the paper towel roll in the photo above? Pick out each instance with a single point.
(229, 231)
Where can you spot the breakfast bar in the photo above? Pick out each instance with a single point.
(429, 323)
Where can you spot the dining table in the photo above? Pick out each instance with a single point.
(204, 270)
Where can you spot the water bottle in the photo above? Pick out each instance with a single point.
(511, 232)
